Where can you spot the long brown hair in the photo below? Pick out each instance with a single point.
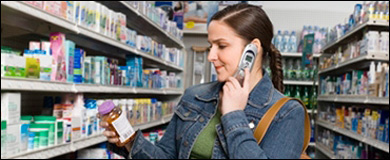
(252, 22)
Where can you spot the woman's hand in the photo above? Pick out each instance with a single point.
(234, 96)
(111, 135)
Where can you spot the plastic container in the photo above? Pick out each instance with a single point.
(30, 145)
(41, 139)
(117, 122)
(51, 121)
(25, 120)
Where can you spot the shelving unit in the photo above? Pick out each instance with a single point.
(372, 142)
(372, 25)
(287, 54)
(359, 63)
(81, 35)
(58, 150)
(35, 23)
(152, 29)
(354, 99)
(300, 83)
(13, 84)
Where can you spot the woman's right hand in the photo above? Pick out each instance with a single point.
(111, 135)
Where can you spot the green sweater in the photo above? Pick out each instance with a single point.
(204, 144)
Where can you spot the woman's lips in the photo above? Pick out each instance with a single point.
(219, 67)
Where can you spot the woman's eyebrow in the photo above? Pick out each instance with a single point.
(215, 41)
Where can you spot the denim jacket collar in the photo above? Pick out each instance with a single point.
(259, 97)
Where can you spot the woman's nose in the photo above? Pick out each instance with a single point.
(212, 57)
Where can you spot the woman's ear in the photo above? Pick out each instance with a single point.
(257, 42)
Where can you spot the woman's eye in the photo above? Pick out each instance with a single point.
(221, 47)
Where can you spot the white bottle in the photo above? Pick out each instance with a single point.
(371, 73)
(79, 117)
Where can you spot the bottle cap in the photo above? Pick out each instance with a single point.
(106, 107)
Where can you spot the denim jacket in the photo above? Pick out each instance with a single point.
(235, 140)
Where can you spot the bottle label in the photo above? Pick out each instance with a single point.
(123, 128)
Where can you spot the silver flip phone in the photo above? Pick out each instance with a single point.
(247, 60)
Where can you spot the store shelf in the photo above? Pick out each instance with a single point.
(14, 84)
(361, 62)
(325, 151)
(288, 54)
(137, 21)
(195, 32)
(354, 99)
(20, 14)
(58, 150)
(372, 142)
(376, 25)
(300, 83)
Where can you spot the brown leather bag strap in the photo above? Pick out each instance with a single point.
(265, 122)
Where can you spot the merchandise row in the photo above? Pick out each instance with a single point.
(372, 42)
(374, 82)
(307, 94)
(367, 122)
(67, 119)
(293, 70)
(368, 11)
(102, 19)
(288, 41)
(341, 147)
(59, 60)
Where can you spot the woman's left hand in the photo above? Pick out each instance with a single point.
(234, 96)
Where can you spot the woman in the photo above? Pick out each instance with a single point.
(216, 120)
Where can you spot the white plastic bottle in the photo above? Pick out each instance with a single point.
(285, 41)
(278, 40)
(293, 42)
(79, 117)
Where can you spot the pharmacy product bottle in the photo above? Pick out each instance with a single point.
(117, 122)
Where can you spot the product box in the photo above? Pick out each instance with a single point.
(32, 68)
(14, 65)
(13, 139)
(98, 69)
(104, 20)
(10, 107)
(77, 12)
(79, 65)
(38, 4)
(98, 15)
(45, 46)
(34, 45)
(91, 15)
(87, 74)
(57, 41)
(53, 7)
(113, 18)
(70, 54)
(83, 13)
(45, 68)
(122, 29)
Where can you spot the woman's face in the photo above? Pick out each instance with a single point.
(226, 49)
